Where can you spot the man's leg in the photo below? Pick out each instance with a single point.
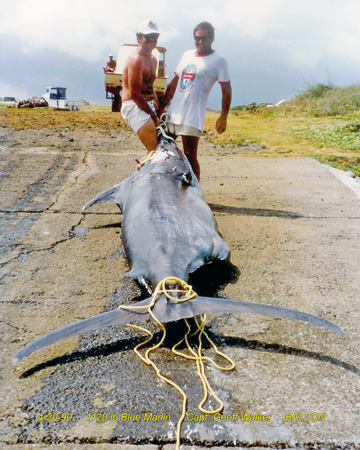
(148, 136)
(190, 144)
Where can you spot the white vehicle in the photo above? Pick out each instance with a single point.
(56, 98)
(8, 101)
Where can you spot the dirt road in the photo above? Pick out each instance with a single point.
(294, 233)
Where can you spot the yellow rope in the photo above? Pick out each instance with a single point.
(186, 294)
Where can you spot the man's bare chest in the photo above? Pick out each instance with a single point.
(149, 71)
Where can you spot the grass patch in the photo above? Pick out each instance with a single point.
(346, 164)
(345, 137)
(323, 122)
(326, 100)
(88, 117)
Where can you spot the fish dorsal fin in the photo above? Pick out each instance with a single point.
(110, 195)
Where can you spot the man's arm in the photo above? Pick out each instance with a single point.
(170, 91)
(225, 107)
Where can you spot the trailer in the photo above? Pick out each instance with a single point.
(56, 98)
(113, 80)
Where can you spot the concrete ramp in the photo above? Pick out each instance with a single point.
(294, 233)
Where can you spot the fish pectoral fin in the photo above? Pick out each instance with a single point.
(107, 319)
(203, 305)
(106, 196)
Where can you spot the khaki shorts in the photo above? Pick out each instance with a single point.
(134, 116)
(183, 130)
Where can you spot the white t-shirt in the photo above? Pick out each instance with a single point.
(197, 75)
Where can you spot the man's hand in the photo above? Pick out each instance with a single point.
(156, 120)
(221, 123)
(156, 103)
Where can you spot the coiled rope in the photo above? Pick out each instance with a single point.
(183, 292)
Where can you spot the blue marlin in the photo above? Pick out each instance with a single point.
(168, 230)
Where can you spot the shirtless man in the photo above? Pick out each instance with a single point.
(110, 65)
(139, 100)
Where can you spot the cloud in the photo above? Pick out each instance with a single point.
(272, 46)
(299, 31)
(12, 90)
(81, 28)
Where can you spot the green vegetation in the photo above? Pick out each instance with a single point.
(324, 100)
(321, 122)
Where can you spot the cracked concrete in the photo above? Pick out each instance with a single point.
(293, 229)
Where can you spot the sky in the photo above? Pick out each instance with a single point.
(274, 48)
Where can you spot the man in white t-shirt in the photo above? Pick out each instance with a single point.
(188, 92)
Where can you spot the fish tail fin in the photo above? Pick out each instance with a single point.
(106, 196)
(202, 305)
(107, 319)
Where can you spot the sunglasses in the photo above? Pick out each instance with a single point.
(203, 38)
(152, 36)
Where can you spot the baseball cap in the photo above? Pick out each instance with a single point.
(148, 27)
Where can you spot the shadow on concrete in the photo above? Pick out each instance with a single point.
(253, 212)
(104, 227)
(246, 344)
(124, 345)
(211, 278)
